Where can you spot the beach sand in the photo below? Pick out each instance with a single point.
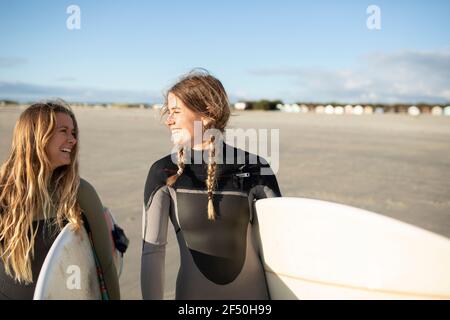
(392, 164)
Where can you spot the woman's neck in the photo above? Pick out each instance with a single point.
(201, 146)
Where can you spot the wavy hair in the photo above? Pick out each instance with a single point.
(30, 190)
(205, 95)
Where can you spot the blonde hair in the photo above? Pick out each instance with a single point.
(205, 95)
(25, 181)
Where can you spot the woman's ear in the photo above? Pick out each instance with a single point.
(206, 122)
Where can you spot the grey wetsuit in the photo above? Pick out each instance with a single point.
(219, 259)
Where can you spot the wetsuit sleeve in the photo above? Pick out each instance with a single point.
(267, 184)
(155, 219)
(93, 210)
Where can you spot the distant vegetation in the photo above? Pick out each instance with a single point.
(8, 102)
(273, 105)
(263, 105)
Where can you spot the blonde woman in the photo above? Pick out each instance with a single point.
(206, 189)
(40, 191)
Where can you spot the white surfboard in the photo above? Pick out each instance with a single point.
(69, 271)
(315, 249)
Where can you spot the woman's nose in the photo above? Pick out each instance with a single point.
(72, 140)
(170, 120)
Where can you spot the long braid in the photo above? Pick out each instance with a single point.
(172, 179)
(203, 94)
(211, 180)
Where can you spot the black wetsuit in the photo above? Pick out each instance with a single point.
(219, 259)
(9, 288)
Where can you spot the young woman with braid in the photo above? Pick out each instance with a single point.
(40, 191)
(206, 189)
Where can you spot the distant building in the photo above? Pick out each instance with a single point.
(320, 109)
(329, 109)
(436, 111)
(401, 109)
(304, 108)
(379, 110)
(339, 110)
(358, 110)
(413, 111)
(283, 107)
(292, 108)
(425, 109)
(447, 111)
(157, 106)
(240, 106)
(348, 109)
(368, 110)
(295, 108)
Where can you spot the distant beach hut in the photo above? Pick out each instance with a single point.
(413, 111)
(425, 109)
(157, 106)
(286, 107)
(401, 109)
(379, 110)
(447, 111)
(304, 108)
(320, 109)
(368, 110)
(338, 110)
(436, 111)
(295, 108)
(358, 110)
(240, 106)
(329, 109)
(348, 109)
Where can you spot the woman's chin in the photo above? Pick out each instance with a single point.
(61, 164)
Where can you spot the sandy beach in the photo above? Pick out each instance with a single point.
(392, 164)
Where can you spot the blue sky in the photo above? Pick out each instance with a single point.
(131, 51)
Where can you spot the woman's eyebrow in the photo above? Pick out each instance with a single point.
(64, 126)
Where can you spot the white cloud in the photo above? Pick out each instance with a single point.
(408, 76)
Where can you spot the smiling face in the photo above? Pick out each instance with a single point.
(62, 142)
(180, 121)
